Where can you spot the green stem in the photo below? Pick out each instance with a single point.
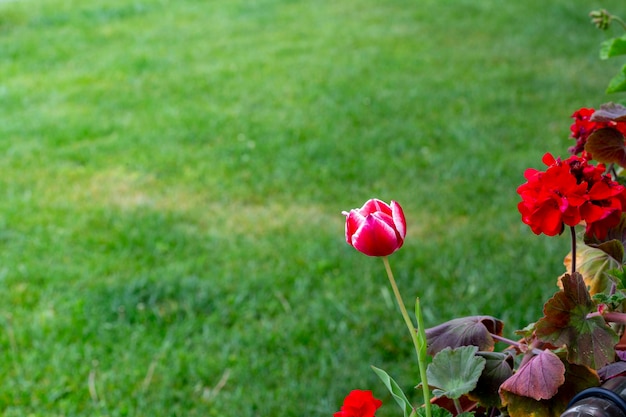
(620, 21)
(573, 236)
(457, 405)
(420, 346)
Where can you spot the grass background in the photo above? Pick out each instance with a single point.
(172, 176)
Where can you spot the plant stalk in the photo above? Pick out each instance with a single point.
(573, 235)
(420, 345)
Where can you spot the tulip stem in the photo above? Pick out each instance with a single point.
(419, 342)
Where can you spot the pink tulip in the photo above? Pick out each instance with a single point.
(377, 228)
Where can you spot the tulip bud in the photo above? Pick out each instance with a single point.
(377, 228)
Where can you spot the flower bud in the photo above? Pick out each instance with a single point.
(600, 18)
(377, 228)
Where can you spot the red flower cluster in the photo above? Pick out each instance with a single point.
(359, 404)
(583, 127)
(568, 193)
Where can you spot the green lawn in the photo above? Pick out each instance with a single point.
(172, 176)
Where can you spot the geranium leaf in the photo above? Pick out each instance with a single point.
(395, 390)
(498, 368)
(612, 370)
(539, 378)
(455, 372)
(577, 378)
(465, 331)
(607, 146)
(613, 47)
(609, 112)
(594, 263)
(436, 411)
(589, 341)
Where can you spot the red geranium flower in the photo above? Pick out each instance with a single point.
(568, 193)
(552, 198)
(583, 127)
(359, 404)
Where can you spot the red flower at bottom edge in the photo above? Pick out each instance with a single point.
(359, 404)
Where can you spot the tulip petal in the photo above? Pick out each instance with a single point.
(398, 218)
(375, 237)
(375, 205)
(354, 220)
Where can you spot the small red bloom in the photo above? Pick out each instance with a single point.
(377, 228)
(583, 127)
(359, 404)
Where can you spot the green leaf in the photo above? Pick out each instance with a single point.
(498, 368)
(437, 411)
(618, 82)
(395, 390)
(613, 47)
(589, 341)
(455, 372)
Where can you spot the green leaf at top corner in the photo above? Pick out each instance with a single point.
(613, 47)
(455, 372)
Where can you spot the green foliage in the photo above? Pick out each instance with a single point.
(455, 372)
(173, 174)
(438, 412)
(589, 340)
(395, 391)
(613, 47)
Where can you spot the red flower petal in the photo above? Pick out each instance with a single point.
(359, 404)
(376, 237)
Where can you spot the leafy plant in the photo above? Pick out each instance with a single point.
(574, 345)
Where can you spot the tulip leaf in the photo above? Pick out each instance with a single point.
(589, 340)
(607, 146)
(465, 331)
(577, 378)
(455, 372)
(395, 391)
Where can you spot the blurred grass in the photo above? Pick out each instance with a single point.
(173, 174)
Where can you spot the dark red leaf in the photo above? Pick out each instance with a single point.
(577, 378)
(612, 370)
(607, 146)
(609, 112)
(539, 378)
(465, 331)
